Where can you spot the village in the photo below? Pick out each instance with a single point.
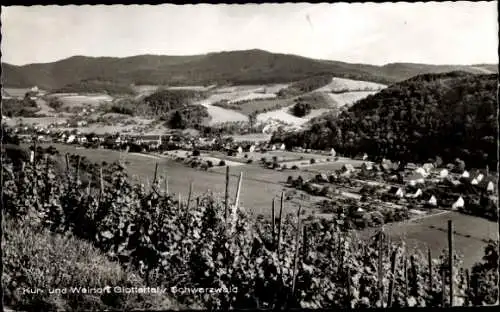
(380, 192)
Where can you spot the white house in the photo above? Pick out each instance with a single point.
(366, 166)
(466, 174)
(432, 201)
(417, 194)
(397, 191)
(71, 139)
(365, 156)
(479, 177)
(428, 167)
(421, 171)
(443, 173)
(458, 204)
(416, 178)
(252, 148)
(332, 152)
(283, 147)
(240, 150)
(273, 148)
(491, 187)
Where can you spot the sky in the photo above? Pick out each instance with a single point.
(372, 33)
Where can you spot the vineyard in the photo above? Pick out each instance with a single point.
(209, 241)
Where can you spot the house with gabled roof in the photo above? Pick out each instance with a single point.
(396, 191)
(416, 178)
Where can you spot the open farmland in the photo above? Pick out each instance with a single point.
(284, 115)
(348, 98)
(349, 85)
(470, 236)
(73, 99)
(180, 176)
(220, 115)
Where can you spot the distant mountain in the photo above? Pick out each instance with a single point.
(451, 115)
(236, 67)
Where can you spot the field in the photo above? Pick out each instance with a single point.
(235, 94)
(254, 137)
(221, 115)
(342, 84)
(180, 176)
(348, 98)
(78, 99)
(428, 231)
(470, 236)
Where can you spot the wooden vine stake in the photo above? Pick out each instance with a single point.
(47, 190)
(393, 278)
(429, 260)
(67, 164)
(238, 190)
(405, 264)
(296, 255)
(226, 195)
(273, 221)
(381, 267)
(77, 167)
(443, 286)
(305, 241)
(189, 196)
(279, 222)
(156, 172)
(450, 258)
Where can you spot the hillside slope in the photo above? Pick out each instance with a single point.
(449, 115)
(239, 67)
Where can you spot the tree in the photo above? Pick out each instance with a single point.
(177, 121)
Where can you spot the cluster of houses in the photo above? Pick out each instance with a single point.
(419, 185)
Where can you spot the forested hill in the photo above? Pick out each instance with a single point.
(451, 115)
(233, 67)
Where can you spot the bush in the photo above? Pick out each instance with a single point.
(295, 167)
(249, 161)
(312, 161)
(222, 163)
(34, 258)
(196, 153)
(210, 164)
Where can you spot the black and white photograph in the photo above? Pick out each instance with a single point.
(267, 156)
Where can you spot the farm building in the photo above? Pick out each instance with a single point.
(332, 152)
(458, 204)
(428, 167)
(443, 173)
(366, 166)
(432, 201)
(416, 178)
(422, 172)
(487, 184)
(365, 156)
(396, 191)
(466, 174)
(417, 194)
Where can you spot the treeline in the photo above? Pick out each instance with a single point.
(96, 86)
(451, 115)
(23, 108)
